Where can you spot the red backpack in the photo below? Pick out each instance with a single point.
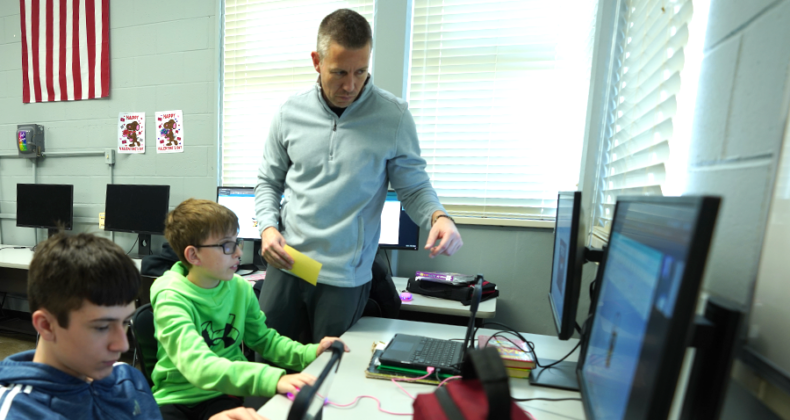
(482, 394)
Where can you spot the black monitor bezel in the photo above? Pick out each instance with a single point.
(672, 351)
(225, 187)
(109, 228)
(68, 225)
(573, 274)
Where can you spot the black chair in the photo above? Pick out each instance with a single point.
(145, 344)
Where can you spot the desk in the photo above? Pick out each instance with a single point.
(350, 381)
(433, 305)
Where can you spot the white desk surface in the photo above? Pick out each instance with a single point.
(15, 258)
(350, 381)
(433, 305)
(20, 258)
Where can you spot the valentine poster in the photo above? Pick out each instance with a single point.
(169, 132)
(131, 132)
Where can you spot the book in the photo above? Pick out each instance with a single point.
(376, 370)
(444, 277)
(517, 373)
(514, 355)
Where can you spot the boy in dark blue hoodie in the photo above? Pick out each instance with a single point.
(81, 291)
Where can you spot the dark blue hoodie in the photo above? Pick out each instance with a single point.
(31, 390)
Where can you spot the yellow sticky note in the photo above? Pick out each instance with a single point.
(304, 267)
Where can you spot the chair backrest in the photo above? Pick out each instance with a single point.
(144, 339)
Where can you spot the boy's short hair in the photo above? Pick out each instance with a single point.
(194, 220)
(67, 270)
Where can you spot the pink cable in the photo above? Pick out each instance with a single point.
(394, 381)
(378, 404)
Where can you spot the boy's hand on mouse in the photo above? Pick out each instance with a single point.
(326, 342)
(289, 383)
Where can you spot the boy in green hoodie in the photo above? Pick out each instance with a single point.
(202, 314)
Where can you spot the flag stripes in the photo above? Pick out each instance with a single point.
(65, 50)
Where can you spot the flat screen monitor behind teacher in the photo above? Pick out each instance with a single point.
(397, 229)
(139, 209)
(644, 313)
(46, 206)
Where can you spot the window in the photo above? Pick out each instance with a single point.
(641, 127)
(267, 47)
(498, 90)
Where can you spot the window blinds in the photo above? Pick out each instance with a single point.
(498, 90)
(637, 140)
(267, 47)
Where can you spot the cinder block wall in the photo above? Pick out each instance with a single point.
(165, 55)
(742, 106)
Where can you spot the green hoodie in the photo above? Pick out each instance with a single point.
(199, 332)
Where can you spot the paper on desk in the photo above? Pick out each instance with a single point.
(304, 267)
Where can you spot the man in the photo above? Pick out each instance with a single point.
(332, 150)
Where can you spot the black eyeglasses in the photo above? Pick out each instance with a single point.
(228, 248)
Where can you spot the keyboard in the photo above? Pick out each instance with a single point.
(437, 353)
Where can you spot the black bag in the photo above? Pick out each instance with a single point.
(462, 293)
(156, 264)
(382, 289)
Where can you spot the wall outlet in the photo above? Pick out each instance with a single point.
(101, 220)
(109, 156)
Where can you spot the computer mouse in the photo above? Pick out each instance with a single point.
(292, 395)
(406, 297)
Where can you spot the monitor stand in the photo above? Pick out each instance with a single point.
(257, 260)
(716, 341)
(258, 263)
(143, 246)
(51, 232)
(562, 375)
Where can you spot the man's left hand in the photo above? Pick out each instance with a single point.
(444, 230)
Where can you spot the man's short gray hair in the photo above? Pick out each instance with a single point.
(346, 27)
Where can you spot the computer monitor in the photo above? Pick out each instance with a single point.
(139, 209)
(570, 255)
(241, 200)
(566, 270)
(398, 231)
(643, 317)
(45, 206)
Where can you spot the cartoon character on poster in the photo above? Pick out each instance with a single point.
(169, 132)
(131, 132)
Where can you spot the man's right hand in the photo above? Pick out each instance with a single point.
(272, 250)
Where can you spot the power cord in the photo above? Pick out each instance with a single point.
(135, 243)
(530, 345)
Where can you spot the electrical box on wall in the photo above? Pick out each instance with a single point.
(30, 140)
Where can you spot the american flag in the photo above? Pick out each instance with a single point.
(65, 49)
